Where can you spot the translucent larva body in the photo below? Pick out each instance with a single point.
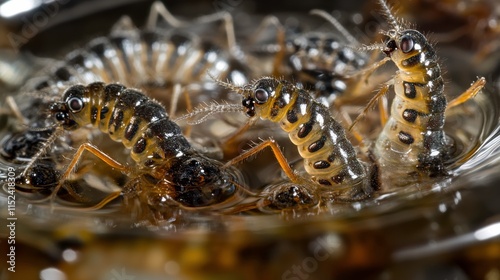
(152, 57)
(316, 60)
(414, 133)
(328, 155)
(413, 139)
(145, 58)
(321, 60)
(164, 158)
(165, 52)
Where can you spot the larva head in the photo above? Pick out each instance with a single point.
(73, 111)
(258, 96)
(406, 47)
(406, 44)
(199, 181)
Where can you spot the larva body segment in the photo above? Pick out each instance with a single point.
(328, 155)
(413, 135)
(145, 57)
(175, 170)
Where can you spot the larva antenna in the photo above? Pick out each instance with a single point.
(43, 95)
(371, 47)
(328, 17)
(46, 128)
(391, 19)
(237, 89)
(46, 145)
(207, 110)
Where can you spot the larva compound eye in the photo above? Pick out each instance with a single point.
(407, 44)
(75, 104)
(261, 96)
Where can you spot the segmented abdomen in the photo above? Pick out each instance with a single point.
(328, 156)
(140, 57)
(321, 60)
(323, 51)
(136, 120)
(413, 135)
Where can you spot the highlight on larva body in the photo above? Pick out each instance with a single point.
(417, 112)
(413, 136)
(329, 157)
(168, 168)
(149, 56)
(317, 60)
(109, 183)
(157, 56)
(322, 60)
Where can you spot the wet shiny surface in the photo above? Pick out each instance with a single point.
(445, 227)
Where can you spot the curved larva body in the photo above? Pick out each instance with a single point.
(321, 60)
(323, 51)
(413, 135)
(157, 145)
(329, 157)
(143, 57)
(130, 117)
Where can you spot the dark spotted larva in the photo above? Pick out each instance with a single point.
(144, 57)
(155, 57)
(21, 148)
(148, 57)
(321, 62)
(168, 168)
(317, 60)
(414, 136)
(329, 157)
